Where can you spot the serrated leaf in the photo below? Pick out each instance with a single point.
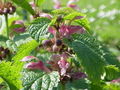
(82, 21)
(25, 50)
(112, 72)
(40, 81)
(80, 84)
(92, 55)
(25, 5)
(72, 15)
(11, 45)
(63, 11)
(110, 58)
(10, 74)
(89, 54)
(21, 39)
(39, 28)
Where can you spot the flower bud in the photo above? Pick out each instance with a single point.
(5, 10)
(28, 58)
(58, 42)
(57, 4)
(71, 4)
(20, 29)
(64, 65)
(37, 65)
(45, 15)
(68, 30)
(12, 9)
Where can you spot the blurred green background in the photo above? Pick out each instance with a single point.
(104, 17)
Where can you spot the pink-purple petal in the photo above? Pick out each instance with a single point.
(28, 58)
(63, 65)
(45, 15)
(68, 30)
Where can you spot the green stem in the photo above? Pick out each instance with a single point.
(63, 86)
(5, 1)
(7, 27)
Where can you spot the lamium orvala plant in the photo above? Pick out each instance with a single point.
(54, 50)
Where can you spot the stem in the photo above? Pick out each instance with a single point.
(63, 86)
(5, 1)
(7, 28)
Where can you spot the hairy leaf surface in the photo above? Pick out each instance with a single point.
(10, 74)
(39, 28)
(92, 55)
(89, 54)
(40, 81)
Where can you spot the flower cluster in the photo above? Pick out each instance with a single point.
(71, 4)
(56, 63)
(4, 53)
(59, 60)
(7, 8)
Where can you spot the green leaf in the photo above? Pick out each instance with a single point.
(11, 45)
(39, 28)
(63, 11)
(25, 5)
(73, 15)
(92, 55)
(112, 86)
(89, 54)
(25, 50)
(80, 84)
(10, 74)
(3, 38)
(112, 72)
(21, 39)
(82, 22)
(40, 81)
(110, 58)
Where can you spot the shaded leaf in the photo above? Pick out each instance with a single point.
(25, 5)
(39, 28)
(40, 81)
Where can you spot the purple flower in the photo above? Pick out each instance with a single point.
(72, 5)
(28, 58)
(68, 30)
(63, 65)
(52, 30)
(35, 65)
(45, 15)
(33, 5)
(21, 27)
(57, 4)
(116, 81)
